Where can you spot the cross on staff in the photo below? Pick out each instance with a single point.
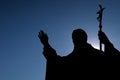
(99, 18)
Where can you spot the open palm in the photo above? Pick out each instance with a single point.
(43, 37)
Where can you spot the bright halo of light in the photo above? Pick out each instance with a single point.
(95, 45)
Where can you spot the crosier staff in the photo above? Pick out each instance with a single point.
(99, 18)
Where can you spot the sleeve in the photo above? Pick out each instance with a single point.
(111, 50)
(49, 53)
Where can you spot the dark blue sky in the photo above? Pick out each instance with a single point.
(21, 55)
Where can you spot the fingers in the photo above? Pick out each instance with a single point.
(41, 33)
(43, 37)
(100, 33)
(102, 37)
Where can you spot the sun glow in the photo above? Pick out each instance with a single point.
(96, 46)
(95, 43)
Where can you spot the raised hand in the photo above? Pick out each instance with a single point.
(43, 37)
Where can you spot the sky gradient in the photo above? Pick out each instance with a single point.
(21, 55)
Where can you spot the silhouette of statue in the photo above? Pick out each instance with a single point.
(83, 62)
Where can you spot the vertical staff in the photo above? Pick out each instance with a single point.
(99, 18)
